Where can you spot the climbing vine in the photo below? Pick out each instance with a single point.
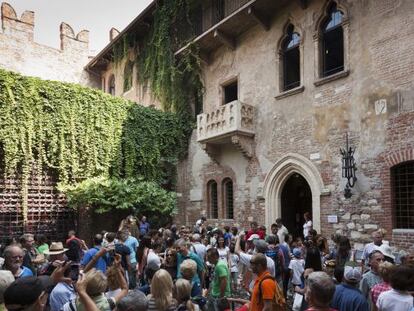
(81, 133)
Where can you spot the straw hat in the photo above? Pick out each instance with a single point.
(55, 248)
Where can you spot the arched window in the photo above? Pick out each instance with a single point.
(291, 59)
(111, 89)
(212, 199)
(228, 199)
(332, 39)
(403, 194)
(129, 68)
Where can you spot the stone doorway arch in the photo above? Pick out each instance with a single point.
(275, 180)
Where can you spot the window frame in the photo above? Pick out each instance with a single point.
(226, 213)
(395, 190)
(211, 200)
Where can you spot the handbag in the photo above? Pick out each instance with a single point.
(297, 302)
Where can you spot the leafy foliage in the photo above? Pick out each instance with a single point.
(82, 133)
(104, 195)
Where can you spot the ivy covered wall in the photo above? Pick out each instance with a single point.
(80, 133)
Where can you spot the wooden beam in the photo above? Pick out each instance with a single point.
(303, 4)
(225, 39)
(261, 20)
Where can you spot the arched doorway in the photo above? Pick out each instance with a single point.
(296, 199)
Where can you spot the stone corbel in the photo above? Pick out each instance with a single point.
(244, 144)
(211, 150)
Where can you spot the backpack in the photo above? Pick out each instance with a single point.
(278, 301)
(274, 254)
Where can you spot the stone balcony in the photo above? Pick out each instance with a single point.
(232, 123)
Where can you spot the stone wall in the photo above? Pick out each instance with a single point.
(20, 53)
(312, 122)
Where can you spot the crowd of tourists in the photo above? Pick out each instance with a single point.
(202, 267)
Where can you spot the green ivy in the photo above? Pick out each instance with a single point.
(81, 133)
(103, 195)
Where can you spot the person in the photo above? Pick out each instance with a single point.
(188, 270)
(307, 226)
(134, 301)
(220, 286)
(124, 251)
(142, 254)
(266, 293)
(56, 255)
(313, 258)
(41, 243)
(63, 292)
(234, 267)
(347, 296)
(182, 248)
(276, 254)
(228, 236)
(199, 225)
(385, 269)
(296, 267)
(399, 297)
(223, 250)
(343, 251)
(372, 277)
(370, 247)
(282, 231)
(13, 261)
(101, 262)
(255, 230)
(32, 259)
(75, 247)
(144, 226)
(182, 294)
(385, 249)
(197, 247)
(161, 297)
(6, 278)
(132, 243)
(320, 289)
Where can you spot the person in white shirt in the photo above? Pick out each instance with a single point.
(198, 228)
(370, 247)
(296, 267)
(234, 267)
(197, 247)
(398, 298)
(282, 231)
(307, 225)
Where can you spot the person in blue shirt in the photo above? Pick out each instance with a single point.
(347, 296)
(132, 243)
(102, 261)
(182, 247)
(13, 261)
(143, 226)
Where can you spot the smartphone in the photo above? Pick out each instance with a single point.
(74, 272)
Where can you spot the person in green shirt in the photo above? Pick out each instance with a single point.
(220, 286)
(41, 243)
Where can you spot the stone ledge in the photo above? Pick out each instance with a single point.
(330, 78)
(290, 92)
(411, 231)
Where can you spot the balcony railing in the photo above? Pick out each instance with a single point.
(234, 118)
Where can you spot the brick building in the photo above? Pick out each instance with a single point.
(285, 83)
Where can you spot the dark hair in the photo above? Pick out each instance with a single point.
(234, 230)
(144, 243)
(273, 226)
(344, 246)
(213, 252)
(40, 238)
(110, 236)
(339, 273)
(226, 228)
(203, 218)
(279, 220)
(313, 259)
(260, 260)
(402, 278)
(97, 240)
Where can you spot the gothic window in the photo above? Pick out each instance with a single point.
(228, 198)
(111, 89)
(291, 59)
(403, 194)
(212, 199)
(332, 42)
(129, 68)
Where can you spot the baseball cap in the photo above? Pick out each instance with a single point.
(261, 246)
(253, 237)
(297, 252)
(352, 273)
(25, 291)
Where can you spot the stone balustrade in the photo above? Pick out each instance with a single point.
(234, 118)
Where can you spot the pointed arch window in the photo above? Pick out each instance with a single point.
(291, 59)
(212, 199)
(332, 42)
(111, 88)
(228, 198)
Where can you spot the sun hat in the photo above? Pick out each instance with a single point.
(55, 248)
(385, 249)
(253, 237)
(352, 273)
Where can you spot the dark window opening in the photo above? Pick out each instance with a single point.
(332, 43)
(111, 89)
(291, 60)
(230, 92)
(213, 202)
(228, 198)
(198, 104)
(403, 194)
(129, 67)
(218, 11)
